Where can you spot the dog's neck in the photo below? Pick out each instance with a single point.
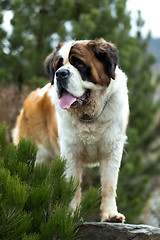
(85, 118)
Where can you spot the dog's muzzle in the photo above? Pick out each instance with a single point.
(68, 100)
(62, 80)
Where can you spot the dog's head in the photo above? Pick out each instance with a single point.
(79, 68)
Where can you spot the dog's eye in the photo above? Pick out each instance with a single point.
(77, 62)
(80, 64)
(59, 63)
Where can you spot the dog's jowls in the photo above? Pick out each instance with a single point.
(82, 115)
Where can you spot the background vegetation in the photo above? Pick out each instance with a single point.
(37, 26)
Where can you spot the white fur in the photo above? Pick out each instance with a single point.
(15, 135)
(64, 51)
(15, 131)
(42, 154)
(43, 90)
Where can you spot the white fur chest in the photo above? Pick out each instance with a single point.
(88, 141)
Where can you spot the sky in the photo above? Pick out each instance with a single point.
(150, 12)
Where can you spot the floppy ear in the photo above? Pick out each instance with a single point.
(49, 63)
(107, 53)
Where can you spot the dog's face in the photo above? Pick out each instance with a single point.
(81, 72)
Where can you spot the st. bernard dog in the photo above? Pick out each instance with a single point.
(82, 115)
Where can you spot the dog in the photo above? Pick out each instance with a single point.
(82, 115)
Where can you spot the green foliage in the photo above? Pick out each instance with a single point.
(34, 201)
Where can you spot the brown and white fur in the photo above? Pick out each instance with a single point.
(89, 130)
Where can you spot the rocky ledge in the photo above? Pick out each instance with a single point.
(118, 231)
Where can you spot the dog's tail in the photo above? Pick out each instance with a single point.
(15, 131)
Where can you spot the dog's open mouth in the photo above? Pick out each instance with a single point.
(67, 100)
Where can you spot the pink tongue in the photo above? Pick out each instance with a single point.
(66, 100)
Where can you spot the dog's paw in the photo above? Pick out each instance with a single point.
(113, 217)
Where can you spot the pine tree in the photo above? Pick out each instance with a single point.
(34, 201)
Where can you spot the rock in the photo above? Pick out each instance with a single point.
(118, 231)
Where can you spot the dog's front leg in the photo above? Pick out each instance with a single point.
(109, 169)
(74, 169)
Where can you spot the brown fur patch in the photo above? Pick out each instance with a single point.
(83, 52)
(38, 120)
(107, 54)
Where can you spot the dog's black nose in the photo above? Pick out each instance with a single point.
(62, 73)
